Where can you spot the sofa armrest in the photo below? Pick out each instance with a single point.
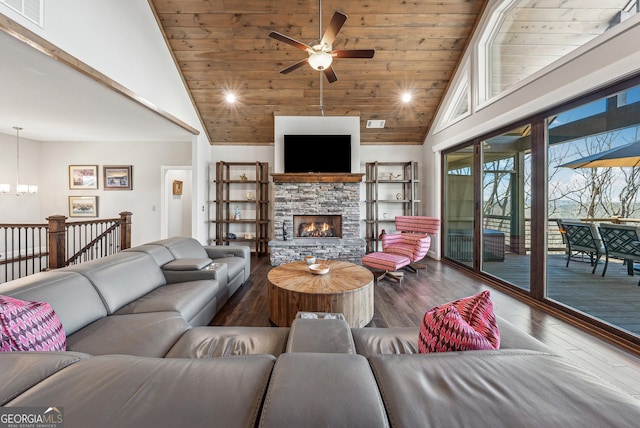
(216, 252)
(241, 251)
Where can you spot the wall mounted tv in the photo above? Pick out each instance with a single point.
(317, 153)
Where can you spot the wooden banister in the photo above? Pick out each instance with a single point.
(57, 241)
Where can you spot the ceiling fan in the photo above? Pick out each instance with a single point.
(321, 52)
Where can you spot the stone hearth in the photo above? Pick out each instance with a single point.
(316, 194)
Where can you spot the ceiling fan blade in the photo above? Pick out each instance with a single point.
(337, 21)
(295, 66)
(354, 53)
(288, 40)
(330, 74)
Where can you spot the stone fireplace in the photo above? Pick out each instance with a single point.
(327, 206)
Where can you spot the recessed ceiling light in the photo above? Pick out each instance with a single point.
(406, 97)
(231, 98)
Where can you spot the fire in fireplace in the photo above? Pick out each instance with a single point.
(317, 226)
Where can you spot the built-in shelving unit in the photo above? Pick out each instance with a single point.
(242, 204)
(392, 189)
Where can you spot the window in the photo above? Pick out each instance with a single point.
(524, 36)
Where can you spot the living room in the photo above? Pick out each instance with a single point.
(138, 60)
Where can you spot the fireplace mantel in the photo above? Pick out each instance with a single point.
(312, 177)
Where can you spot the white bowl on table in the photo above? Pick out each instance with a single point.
(319, 269)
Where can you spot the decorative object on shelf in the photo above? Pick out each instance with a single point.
(382, 234)
(398, 196)
(236, 213)
(232, 236)
(21, 189)
(248, 236)
(243, 177)
(250, 196)
(119, 177)
(83, 206)
(177, 187)
(83, 177)
(393, 176)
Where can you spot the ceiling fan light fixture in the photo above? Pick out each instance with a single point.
(320, 60)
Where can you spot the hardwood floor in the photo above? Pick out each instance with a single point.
(403, 306)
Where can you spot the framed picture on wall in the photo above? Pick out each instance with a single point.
(177, 187)
(83, 177)
(83, 206)
(117, 177)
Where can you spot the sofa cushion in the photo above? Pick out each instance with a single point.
(322, 390)
(402, 340)
(320, 335)
(29, 326)
(149, 334)
(160, 254)
(464, 324)
(183, 248)
(124, 391)
(501, 389)
(210, 342)
(21, 370)
(187, 264)
(122, 278)
(235, 266)
(71, 295)
(186, 298)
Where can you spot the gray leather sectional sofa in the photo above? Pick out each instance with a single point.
(140, 354)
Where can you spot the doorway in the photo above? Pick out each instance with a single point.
(176, 214)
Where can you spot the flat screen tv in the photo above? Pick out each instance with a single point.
(317, 153)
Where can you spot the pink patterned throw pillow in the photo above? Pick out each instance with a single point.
(462, 325)
(29, 326)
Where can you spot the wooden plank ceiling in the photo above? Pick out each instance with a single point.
(224, 45)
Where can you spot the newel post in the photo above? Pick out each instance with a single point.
(57, 241)
(125, 230)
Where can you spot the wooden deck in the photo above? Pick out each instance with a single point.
(614, 298)
(404, 305)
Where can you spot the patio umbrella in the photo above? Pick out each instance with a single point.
(628, 155)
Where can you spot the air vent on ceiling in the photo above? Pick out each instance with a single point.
(375, 123)
(30, 9)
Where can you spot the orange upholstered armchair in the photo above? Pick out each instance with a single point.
(412, 239)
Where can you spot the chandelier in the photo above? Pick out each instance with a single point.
(21, 189)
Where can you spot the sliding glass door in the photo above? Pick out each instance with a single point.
(506, 206)
(457, 227)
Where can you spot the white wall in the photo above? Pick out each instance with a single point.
(330, 125)
(121, 39)
(144, 201)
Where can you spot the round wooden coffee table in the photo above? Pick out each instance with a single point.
(346, 289)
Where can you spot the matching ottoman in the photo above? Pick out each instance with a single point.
(387, 262)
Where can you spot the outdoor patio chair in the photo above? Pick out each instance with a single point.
(622, 242)
(583, 237)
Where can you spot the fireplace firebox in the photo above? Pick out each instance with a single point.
(317, 226)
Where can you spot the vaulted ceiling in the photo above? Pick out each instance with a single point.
(223, 46)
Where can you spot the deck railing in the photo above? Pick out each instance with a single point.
(555, 242)
(26, 249)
